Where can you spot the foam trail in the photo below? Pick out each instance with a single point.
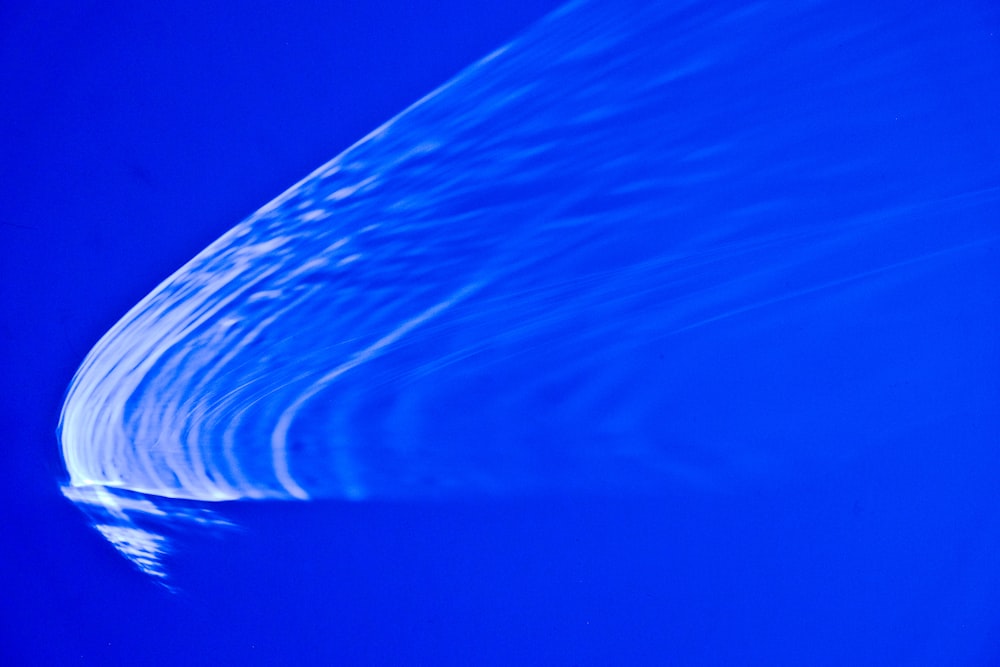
(558, 272)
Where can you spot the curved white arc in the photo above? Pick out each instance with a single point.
(279, 437)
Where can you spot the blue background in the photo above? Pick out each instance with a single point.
(134, 136)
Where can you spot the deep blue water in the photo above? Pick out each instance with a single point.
(663, 334)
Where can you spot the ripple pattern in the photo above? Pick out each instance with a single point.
(510, 287)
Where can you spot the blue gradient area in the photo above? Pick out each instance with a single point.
(676, 269)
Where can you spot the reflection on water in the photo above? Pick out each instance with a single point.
(134, 523)
(630, 250)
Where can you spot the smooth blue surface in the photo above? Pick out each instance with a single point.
(665, 334)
